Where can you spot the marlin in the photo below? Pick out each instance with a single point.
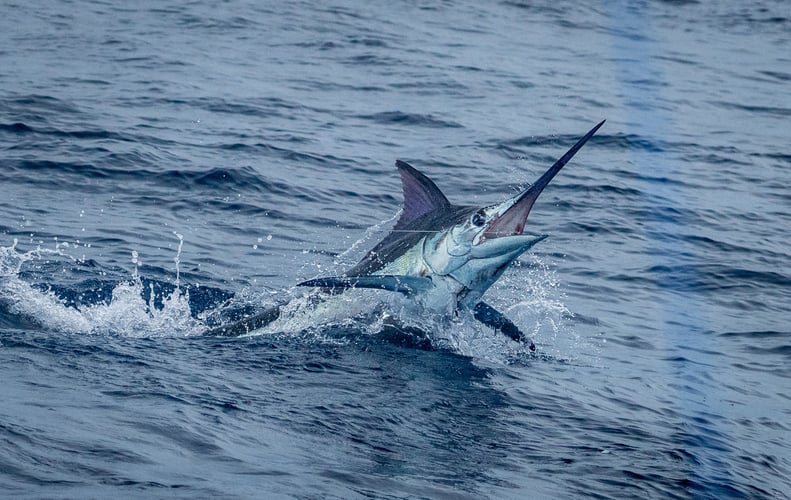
(445, 256)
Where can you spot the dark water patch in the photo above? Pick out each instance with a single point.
(409, 119)
(244, 179)
(318, 45)
(601, 229)
(373, 200)
(753, 109)
(758, 334)
(85, 81)
(715, 278)
(632, 341)
(704, 242)
(39, 103)
(633, 142)
(326, 161)
(372, 59)
(366, 41)
(594, 189)
(146, 395)
(522, 84)
(16, 128)
(21, 128)
(783, 157)
(577, 317)
(677, 59)
(107, 177)
(68, 351)
(336, 86)
(410, 338)
(538, 9)
(473, 69)
(714, 159)
(143, 60)
(646, 83)
(262, 107)
(15, 321)
(658, 214)
(748, 20)
(531, 142)
(216, 24)
(777, 75)
(619, 141)
(344, 12)
(45, 167)
(769, 367)
(180, 436)
(594, 103)
(430, 87)
(780, 350)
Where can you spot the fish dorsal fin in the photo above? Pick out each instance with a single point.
(421, 195)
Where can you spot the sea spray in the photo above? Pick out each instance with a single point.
(126, 313)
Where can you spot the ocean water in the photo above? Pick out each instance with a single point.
(166, 167)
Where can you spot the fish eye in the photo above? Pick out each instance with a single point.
(478, 219)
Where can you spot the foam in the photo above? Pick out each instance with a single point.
(126, 313)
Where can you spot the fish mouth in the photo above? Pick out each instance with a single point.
(505, 248)
(513, 212)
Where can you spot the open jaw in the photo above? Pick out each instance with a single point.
(513, 212)
(512, 216)
(505, 247)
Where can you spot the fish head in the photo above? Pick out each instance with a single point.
(477, 249)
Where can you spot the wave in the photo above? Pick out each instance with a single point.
(412, 119)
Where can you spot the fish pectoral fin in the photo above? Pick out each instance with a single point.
(408, 285)
(490, 316)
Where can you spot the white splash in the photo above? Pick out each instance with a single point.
(125, 314)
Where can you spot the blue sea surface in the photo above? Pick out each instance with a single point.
(168, 167)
